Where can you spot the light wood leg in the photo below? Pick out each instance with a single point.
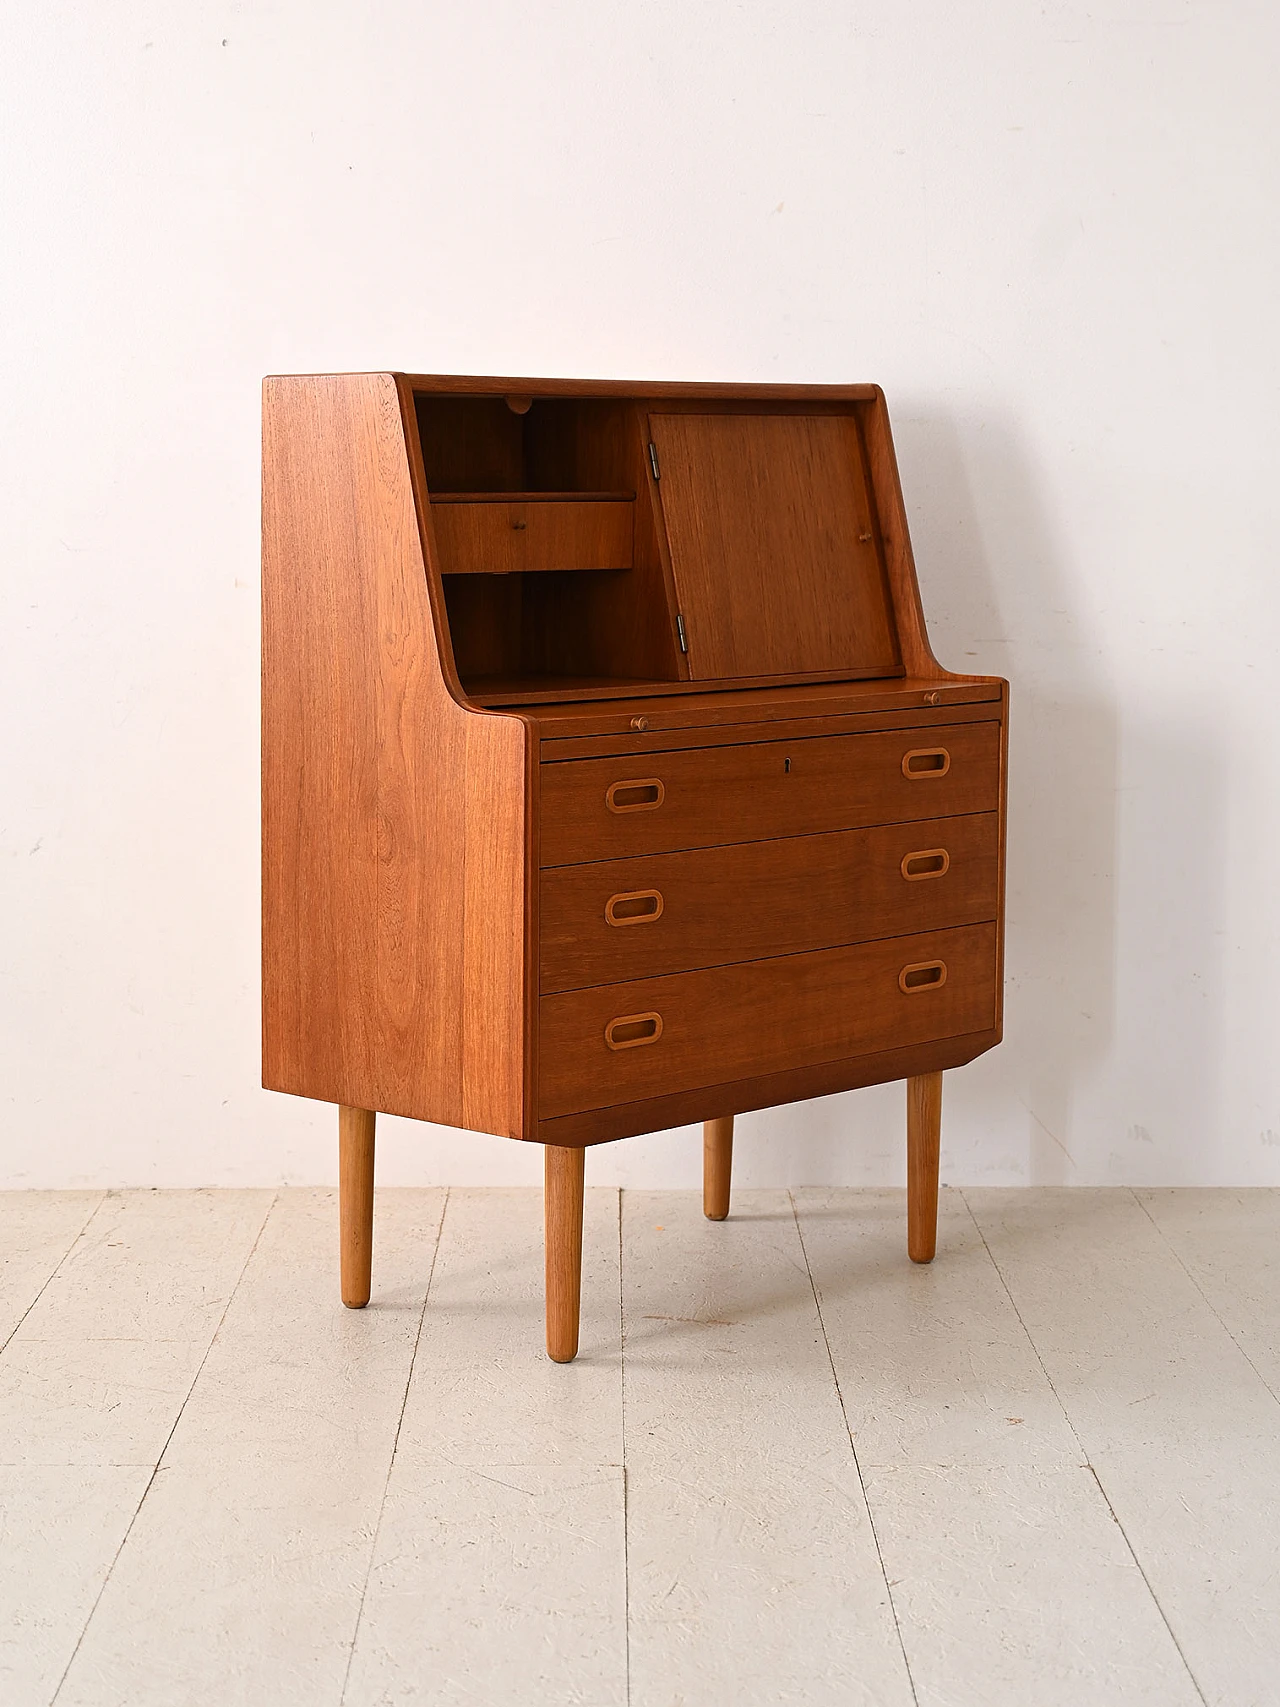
(565, 1171)
(924, 1133)
(355, 1203)
(717, 1166)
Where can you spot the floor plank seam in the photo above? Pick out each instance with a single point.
(1088, 1464)
(1115, 1518)
(129, 1527)
(1177, 1257)
(875, 1533)
(622, 1396)
(395, 1447)
(54, 1272)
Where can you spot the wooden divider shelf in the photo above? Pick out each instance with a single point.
(610, 782)
(512, 533)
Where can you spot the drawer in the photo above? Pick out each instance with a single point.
(519, 536)
(621, 1043)
(705, 796)
(607, 922)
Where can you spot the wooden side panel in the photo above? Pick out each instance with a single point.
(895, 540)
(776, 562)
(393, 819)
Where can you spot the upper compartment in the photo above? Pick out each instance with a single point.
(610, 545)
(773, 543)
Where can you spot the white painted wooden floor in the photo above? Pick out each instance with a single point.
(788, 1467)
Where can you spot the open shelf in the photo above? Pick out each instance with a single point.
(541, 690)
(526, 533)
(545, 538)
(596, 547)
(532, 497)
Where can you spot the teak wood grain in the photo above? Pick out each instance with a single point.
(752, 900)
(717, 1167)
(532, 536)
(765, 1090)
(355, 1196)
(761, 1016)
(924, 1130)
(564, 1180)
(773, 549)
(393, 819)
(532, 868)
(768, 702)
(760, 790)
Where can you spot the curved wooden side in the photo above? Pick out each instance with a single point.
(394, 819)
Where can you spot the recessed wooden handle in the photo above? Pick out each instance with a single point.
(634, 907)
(629, 1031)
(924, 975)
(929, 862)
(921, 762)
(642, 795)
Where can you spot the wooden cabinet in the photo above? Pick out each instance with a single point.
(609, 780)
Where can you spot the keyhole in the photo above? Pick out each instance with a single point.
(786, 767)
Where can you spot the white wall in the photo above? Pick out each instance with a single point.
(1048, 231)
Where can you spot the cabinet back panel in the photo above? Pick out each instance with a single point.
(773, 544)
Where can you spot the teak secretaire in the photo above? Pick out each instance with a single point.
(609, 780)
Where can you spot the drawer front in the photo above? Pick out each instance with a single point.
(624, 1042)
(608, 922)
(705, 796)
(524, 536)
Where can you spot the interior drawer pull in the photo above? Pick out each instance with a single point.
(641, 796)
(929, 862)
(921, 762)
(629, 1031)
(924, 975)
(634, 907)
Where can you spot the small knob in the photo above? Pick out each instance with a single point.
(639, 722)
(933, 699)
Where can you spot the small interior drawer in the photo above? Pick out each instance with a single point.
(620, 1043)
(596, 809)
(615, 920)
(522, 533)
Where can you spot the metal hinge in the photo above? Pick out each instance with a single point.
(653, 460)
(684, 644)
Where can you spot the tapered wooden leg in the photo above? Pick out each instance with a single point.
(355, 1203)
(563, 1208)
(717, 1165)
(924, 1133)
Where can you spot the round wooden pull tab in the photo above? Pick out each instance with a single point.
(639, 722)
(519, 405)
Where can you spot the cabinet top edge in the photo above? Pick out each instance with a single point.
(471, 385)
